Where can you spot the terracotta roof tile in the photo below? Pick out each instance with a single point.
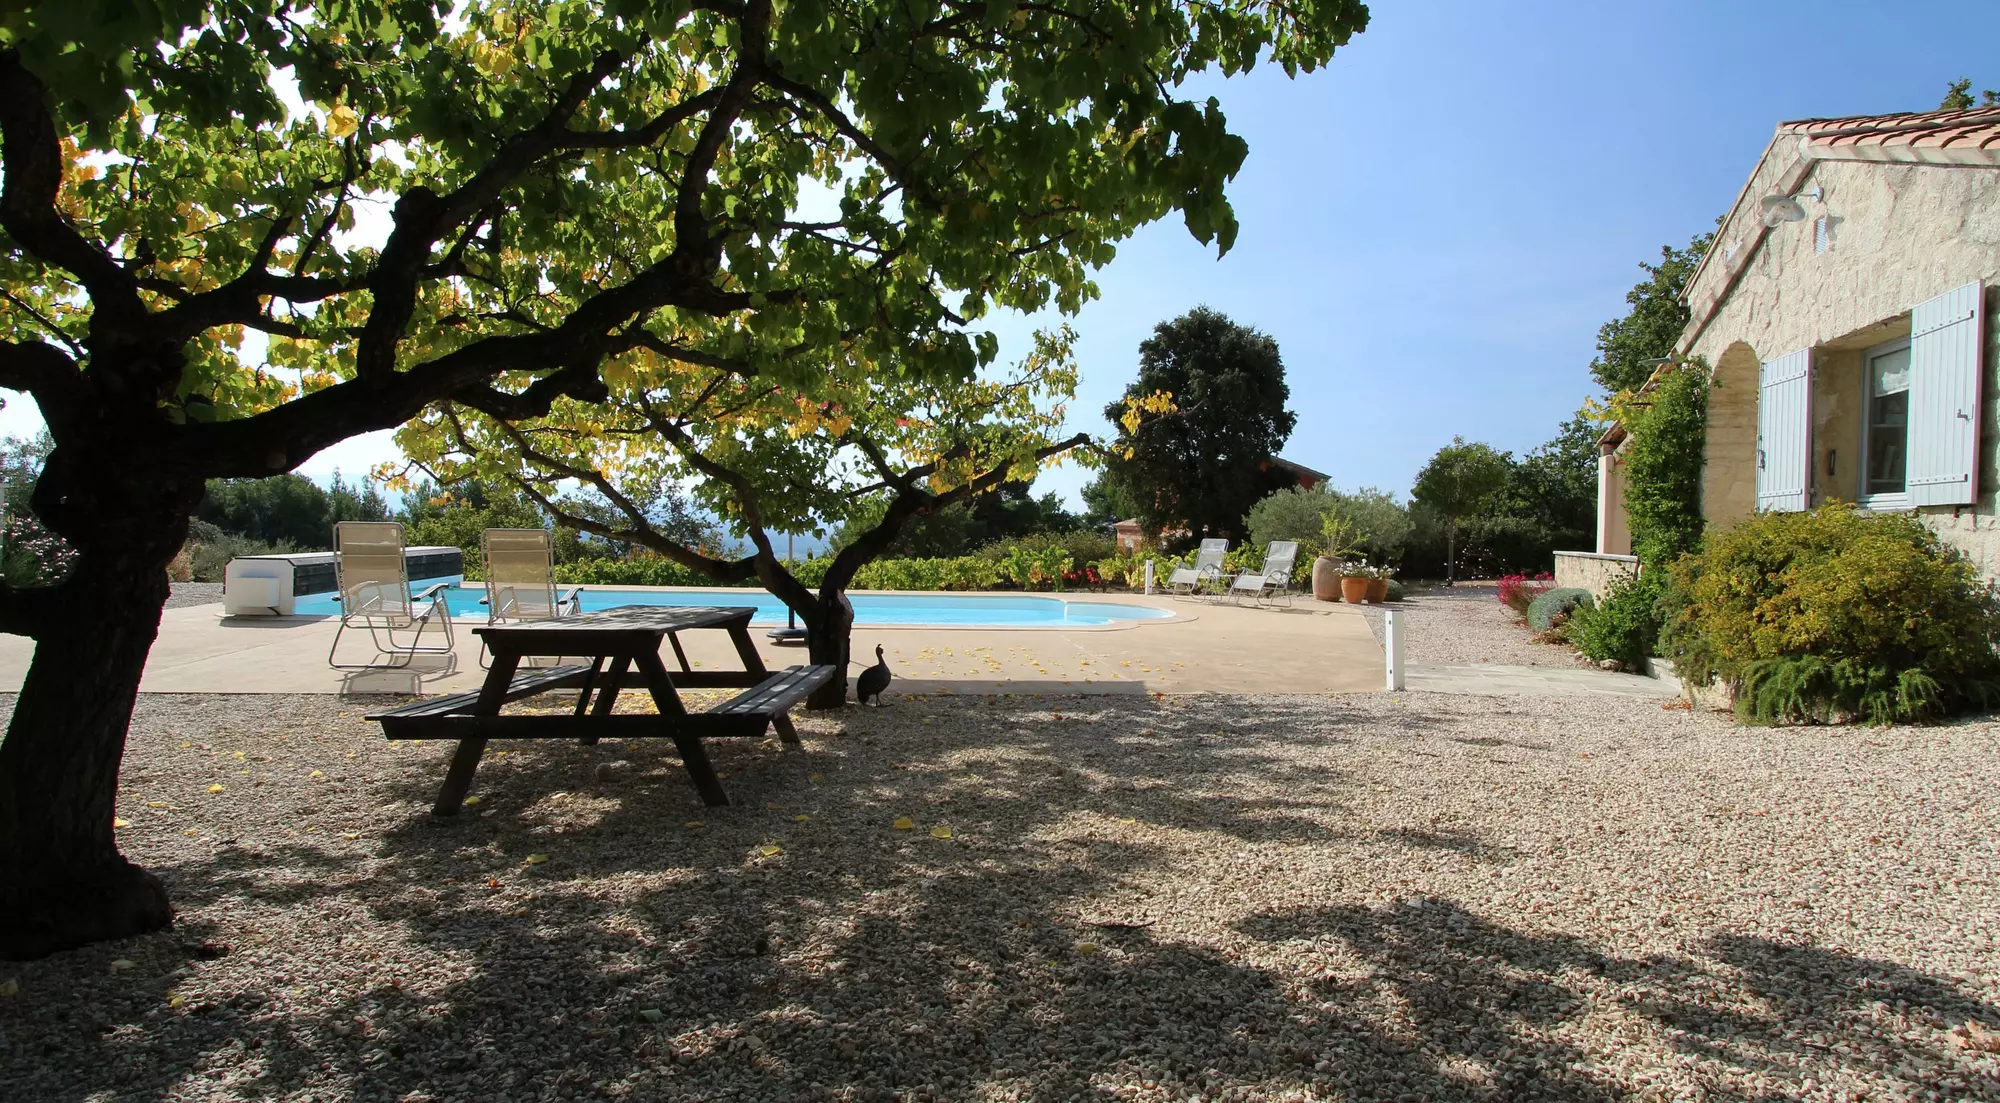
(1935, 137)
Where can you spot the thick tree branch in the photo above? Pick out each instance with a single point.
(29, 188)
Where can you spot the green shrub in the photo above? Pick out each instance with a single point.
(1625, 626)
(1396, 592)
(1834, 615)
(1548, 611)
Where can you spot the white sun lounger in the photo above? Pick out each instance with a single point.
(1275, 580)
(372, 585)
(520, 567)
(1207, 569)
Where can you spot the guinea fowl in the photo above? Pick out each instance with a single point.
(873, 680)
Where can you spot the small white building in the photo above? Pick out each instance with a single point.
(1847, 312)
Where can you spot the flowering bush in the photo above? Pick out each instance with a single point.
(1518, 591)
(34, 555)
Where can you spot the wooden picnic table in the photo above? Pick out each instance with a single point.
(623, 649)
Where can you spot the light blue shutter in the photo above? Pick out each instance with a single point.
(1944, 398)
(1784, 432)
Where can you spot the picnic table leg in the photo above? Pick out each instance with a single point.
(589, 678)
(607, 694)
(694, 756)
(746, 649)
(675, 639)
(465, 760)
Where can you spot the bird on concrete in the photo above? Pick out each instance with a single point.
(873, 680)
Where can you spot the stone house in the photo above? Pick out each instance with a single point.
(1847, 315)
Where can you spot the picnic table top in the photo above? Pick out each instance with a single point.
(659, 619)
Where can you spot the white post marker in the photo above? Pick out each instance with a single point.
(1149, 578)
(1392, 648)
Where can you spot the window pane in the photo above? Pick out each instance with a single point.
(1888, 421)
(1889, 373)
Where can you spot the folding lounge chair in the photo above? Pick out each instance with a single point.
(372, 581)
(1275, 580)
(521, 579)
(1207, 568)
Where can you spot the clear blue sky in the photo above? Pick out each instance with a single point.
(1434, 228)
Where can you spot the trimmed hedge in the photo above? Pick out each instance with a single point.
(1548, 610)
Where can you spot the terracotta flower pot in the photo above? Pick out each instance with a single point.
(1378, 589)
(1326, 579)
(1353, 589)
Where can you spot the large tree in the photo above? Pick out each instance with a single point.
(1459, 481)
(1649, 329)
(560, 184)
(862, 445)
(1200, 465)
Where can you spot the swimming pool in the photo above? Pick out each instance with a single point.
(929, 610)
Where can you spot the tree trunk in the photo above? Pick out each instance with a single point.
(1451, 551)
(63, 882)
(829, 637)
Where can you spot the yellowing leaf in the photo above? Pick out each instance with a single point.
(770, 850)
(695, 825)
(801, 818)
(177, 1001)
(350, 834)
(342, 121)
(471, 800)
(116, 822)
(537, 859)
(185, 746)
(904, 823)
(1086, 947)
(321, 773)
(156, 804)
(215, 788)
(940, 832)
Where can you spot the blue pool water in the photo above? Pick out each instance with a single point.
(963, 610)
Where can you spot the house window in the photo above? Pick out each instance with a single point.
(1887, 429)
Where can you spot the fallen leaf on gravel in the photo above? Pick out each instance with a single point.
(471, 800)
(10, 987)
(537, 859)
(190, 831)
(1975, 1036)
(350, 834)
(940, 832)
(770, 850)
(695, 825)
(652, 1015)
(1086, 947)
(185, 746)
(177, 1001)
(121, 965)
(215, 788)
(1127, 819)
(801, 818)
(770, 806)
(903, 823)
(814, 777)
(156, 804)
(317, 773)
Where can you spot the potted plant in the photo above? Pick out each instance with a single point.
(1335, 545)
(1354, 583)
(1378, 583)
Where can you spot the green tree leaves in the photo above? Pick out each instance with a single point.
(1649, 330)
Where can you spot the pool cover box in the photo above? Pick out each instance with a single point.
(265, 585)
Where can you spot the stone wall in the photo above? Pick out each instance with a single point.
(1593, 572)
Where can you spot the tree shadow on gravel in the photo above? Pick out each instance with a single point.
(765, 956)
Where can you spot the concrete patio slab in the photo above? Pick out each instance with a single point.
(1308, 648)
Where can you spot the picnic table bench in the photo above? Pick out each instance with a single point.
(623, 649)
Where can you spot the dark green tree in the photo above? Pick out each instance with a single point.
(1554, 487)
(1652, 325)
(1958, 96)
(1201, 466)
(1106, 501)
(1461, 480)
(285, 510)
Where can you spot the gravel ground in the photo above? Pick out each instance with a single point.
(1230, 898)
(194, 593)
(1467, 624)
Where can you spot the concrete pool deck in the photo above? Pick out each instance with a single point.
(1311, 647)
